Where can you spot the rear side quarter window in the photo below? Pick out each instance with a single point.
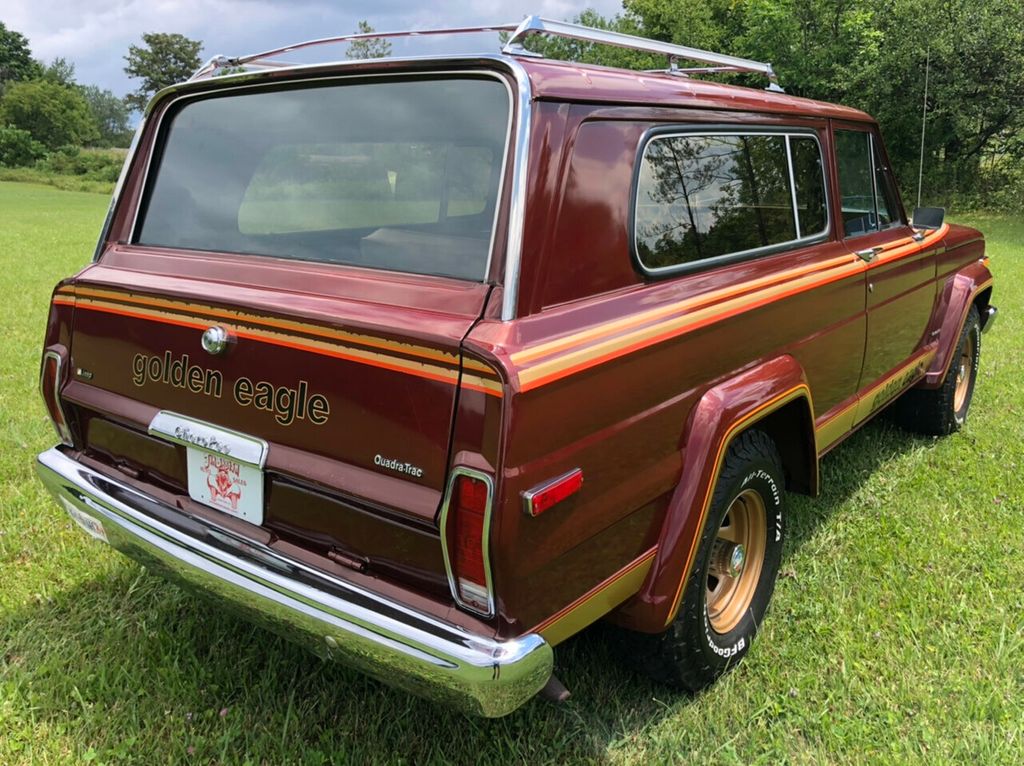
(704, 198)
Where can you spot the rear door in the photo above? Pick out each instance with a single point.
(900, 275)
(338, 235)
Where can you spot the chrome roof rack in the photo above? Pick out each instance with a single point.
(519, 33)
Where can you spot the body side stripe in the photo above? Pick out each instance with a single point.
(562, 623)
(202, 310)
(394, 364)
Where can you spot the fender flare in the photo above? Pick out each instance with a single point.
(722, 413)
(954, 303)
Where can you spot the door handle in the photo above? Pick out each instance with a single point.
(869, 255)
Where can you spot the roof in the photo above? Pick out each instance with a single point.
(567, 81)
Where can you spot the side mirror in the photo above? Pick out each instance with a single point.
(928, 217)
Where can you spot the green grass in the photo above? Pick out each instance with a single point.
(896, 633)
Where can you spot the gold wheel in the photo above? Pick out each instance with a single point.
(964, 372)
(737, 556)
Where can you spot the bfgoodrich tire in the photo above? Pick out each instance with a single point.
(733, 576)
(943, 410)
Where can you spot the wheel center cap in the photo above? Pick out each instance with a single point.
(737, 559)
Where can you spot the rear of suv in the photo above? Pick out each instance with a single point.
(431, 363)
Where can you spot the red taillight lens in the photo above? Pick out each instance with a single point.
(539, 499)
(49, 387)
(465, 530)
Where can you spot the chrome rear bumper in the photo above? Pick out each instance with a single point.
(392, 642)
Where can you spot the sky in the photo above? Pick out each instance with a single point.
(95, 34)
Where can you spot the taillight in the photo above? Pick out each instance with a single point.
(465, 525)
(49, 385)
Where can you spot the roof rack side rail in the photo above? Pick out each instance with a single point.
(720, 62)
(218, 62)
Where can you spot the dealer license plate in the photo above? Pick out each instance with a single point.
(225, 468)
(225, 484)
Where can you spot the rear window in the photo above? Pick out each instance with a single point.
(394, 174)
(707, 196)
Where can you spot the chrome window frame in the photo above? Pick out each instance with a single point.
(663, 132)
(520, 116)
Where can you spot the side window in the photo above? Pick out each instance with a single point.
(706, 196)
(856, 187)
(868, 199)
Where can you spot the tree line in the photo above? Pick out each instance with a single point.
(873, 55)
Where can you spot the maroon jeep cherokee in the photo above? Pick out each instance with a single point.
(432, 363)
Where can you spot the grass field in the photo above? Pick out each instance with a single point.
(896, 634)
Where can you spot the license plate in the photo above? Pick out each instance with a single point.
(225, 468)
(225, 484)
(93, 527)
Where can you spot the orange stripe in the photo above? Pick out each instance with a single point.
(697, 302)
(782, 398)
(281, 324)
(441, 375)
(564, 370)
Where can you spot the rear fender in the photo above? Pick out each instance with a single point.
(972, 284)
(723, 412)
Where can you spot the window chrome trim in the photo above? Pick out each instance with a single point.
(485, 542)
(726, 259)
(516, 141)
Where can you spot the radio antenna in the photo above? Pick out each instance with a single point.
(924, 119)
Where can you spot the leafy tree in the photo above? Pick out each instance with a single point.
(163, 60)
(369, 48)
(18, 148)
(16, 62)
(53, 114)
(111, 114)
(59, 71)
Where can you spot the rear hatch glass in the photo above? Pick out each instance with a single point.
(392, 174)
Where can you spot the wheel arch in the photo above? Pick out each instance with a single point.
(972, 286)
(774, 397)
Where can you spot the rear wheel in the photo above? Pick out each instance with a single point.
(943, 410)
(733, 576)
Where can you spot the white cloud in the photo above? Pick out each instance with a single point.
(95, 34)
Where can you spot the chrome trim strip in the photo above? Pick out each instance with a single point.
(728, 258)
(401, 646)
(208, 437)
(485, 545)
(792, 186)
(63, 434)
(518, 201)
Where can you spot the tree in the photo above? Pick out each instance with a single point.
(54, 114)
(369, 48)
(59, 71)
(16, 62)
(164, 60)
(111, 114)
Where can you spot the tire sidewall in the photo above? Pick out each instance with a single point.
(972, 327)
(721, 650)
